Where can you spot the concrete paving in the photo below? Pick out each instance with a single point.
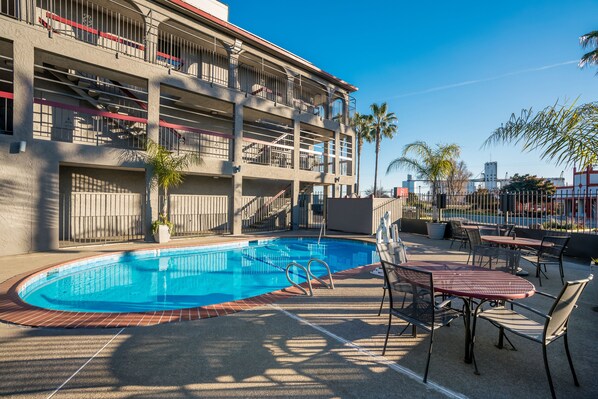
(328, 346)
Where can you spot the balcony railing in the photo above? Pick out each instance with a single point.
(204, 143)
(75, 106)
(316, 161)
(116, 28)
(8, 8)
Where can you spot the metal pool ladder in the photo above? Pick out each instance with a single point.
(310, 275)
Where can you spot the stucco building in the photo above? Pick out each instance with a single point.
(84, 84)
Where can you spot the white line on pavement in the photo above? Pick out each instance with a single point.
(85, 364)
(378, 359)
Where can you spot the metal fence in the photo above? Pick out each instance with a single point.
(312, 210)
(198, 215)
(98, 218)
(566, 211)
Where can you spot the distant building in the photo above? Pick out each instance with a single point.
(490, 179)
(409, 184)
(580, 199)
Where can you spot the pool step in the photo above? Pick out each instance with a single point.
(310, 275)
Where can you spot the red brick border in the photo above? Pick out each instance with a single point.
(13, 310)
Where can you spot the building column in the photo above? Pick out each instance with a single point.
(337, 142)
(236, 215)
(152, 199)
(295, 214)
(291, 75)
(234, 51)
(23, 78)
(151, 38)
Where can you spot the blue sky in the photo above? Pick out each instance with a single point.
(516, 54)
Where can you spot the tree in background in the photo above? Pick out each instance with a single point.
(381, 192)
(431, 164)
(383, 124)
(456, 181)
(363, 132)
(591, 57)
(522, 183)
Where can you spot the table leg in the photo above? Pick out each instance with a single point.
(467, 319)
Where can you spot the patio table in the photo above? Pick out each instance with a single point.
(471, 282)
(516, 242)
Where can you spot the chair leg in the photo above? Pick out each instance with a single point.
(539, 273)
(387, 332)
(562, 272)
(570, 361)
(429, 355)
(548, 372)
(452, 242)
(382, 302)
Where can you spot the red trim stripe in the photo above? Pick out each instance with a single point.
(5, 94)
(89, 111)
(194, 130)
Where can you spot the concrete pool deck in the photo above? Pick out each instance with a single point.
(327, 346)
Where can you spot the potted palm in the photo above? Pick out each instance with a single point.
(432, 165)
(167, 171)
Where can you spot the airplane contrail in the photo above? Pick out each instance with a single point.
(471, 82)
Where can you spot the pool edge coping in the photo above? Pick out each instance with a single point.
(14, 310)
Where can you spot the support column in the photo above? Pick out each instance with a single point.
(152, 195)
(151, 38)
(295, 214)
(23, 75)
(337, 141)
(291, 75)
(234, 51)
(236, 215)
(296, 145)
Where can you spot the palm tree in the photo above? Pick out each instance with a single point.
(566, 135)
(432, 164)
(383, 124)
(167, 169)
(361, 125)
(591, 57)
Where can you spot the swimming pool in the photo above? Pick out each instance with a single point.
(180, 278)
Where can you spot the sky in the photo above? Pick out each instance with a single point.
(452, 71)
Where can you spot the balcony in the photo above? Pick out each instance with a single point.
(123, 28)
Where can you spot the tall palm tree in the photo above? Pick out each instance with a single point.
(432, 164)
(167, 169)
(591, 57)
(361, 125)
(383, 124)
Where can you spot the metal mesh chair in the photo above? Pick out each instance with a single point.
(551, 252)
(506, 229)
(475, 240)
(458, 234)
(496, 258)
(553, 326)
(411, 294)
(393, 252)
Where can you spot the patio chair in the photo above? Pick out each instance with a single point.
(507, 230)
(393, 252)
(496, 258)
(458, 234)
(550, 253)
(553, 326)
(412, 300)
(475, 240)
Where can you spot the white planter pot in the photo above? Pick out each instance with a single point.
(436, 230)
(162, 235)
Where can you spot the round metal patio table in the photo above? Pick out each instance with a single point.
(471, 282)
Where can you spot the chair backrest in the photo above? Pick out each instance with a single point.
(554, 245)
(474, 237)
(496, 258)
(489, 231)
(563, 306)
(394, 230)
(393, 252)
(411, 294)
(456, 228)
(506, 229)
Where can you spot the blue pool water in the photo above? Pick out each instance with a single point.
(187, 277)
